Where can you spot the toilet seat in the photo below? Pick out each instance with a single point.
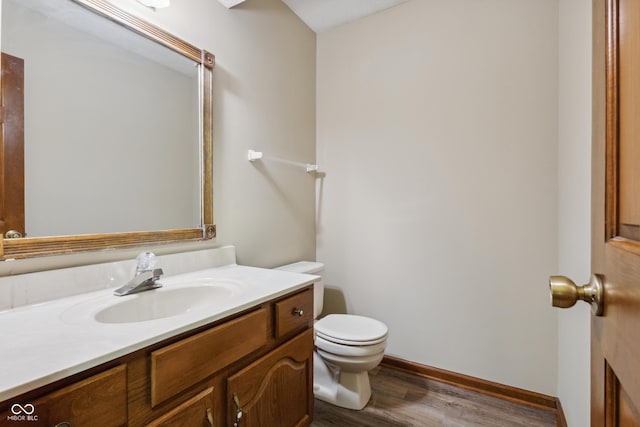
(350, 343)
(349, 329)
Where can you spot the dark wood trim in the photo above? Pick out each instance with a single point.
(561, 421)
(12, 145)
(612, 129)
(629, 231)
(57, 245)
(501, 391)
(612, 397)
(207, 144)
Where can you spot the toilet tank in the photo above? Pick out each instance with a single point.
(315, 268)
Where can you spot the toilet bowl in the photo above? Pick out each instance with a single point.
(346, 348)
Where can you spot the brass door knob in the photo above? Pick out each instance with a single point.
(13, 234)
(565, 293)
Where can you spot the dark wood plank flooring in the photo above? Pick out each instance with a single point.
(401, 399)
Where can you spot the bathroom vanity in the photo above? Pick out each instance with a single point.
(244, 359)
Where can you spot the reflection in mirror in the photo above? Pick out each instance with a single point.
(111, 135)
(115, 125)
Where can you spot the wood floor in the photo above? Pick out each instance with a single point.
(400, 399)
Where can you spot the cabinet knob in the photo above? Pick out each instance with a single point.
(210, 418)
(298, 312)
(63, 424)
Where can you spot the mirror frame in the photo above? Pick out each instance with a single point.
(52, 245)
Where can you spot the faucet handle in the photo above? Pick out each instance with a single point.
(146, 262)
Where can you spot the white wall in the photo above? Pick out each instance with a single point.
(437, 131)
(574, 205)
(264, 98)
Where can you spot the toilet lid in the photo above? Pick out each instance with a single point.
(351, 329)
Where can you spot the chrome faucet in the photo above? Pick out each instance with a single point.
(146, 277)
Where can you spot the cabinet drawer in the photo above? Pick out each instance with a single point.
(179, 366)
(196, 412)
(294, 312)
(98, 400)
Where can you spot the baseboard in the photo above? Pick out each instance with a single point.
(512, 394)
(561, 421)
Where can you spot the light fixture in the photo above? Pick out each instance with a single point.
(156, 4)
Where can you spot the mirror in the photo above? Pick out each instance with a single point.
(117, 129)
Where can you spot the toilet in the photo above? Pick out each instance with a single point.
(346, 348)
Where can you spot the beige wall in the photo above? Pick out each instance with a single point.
(437, 131)
(574, 204)
(264, 98)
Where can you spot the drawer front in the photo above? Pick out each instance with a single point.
(98, 400)
(179, 366)
(294, 312)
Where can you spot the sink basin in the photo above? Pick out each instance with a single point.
(162, 303)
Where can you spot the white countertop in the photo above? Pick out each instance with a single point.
(45, 342)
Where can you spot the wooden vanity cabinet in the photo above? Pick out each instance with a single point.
(275, 390)
(260, 359)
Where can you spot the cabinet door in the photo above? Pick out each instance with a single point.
(277, 389)
(100, 400)
(195, 412)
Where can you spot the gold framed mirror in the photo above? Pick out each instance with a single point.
(41, 244)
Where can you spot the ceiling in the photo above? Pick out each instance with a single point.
(320, 15)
